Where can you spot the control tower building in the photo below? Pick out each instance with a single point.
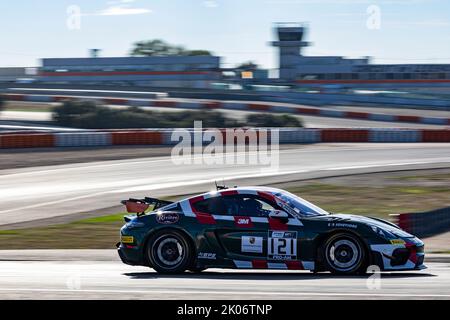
(290, 43)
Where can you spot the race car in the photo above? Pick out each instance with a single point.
(260, 228)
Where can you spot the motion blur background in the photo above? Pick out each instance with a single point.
(91, 92)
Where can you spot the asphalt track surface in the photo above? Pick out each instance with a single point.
(94, 274)
(44, 194)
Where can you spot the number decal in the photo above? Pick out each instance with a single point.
(282, 245)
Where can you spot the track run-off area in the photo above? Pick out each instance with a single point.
(98, 274)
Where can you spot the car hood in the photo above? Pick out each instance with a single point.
(373, 222)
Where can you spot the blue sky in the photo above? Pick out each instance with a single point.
(410, 31)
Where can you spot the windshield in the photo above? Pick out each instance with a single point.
(300, 206)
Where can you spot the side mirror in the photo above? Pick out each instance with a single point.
(280, 215)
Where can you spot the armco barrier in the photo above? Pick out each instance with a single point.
(163, 137)
(228, 105)
(425, 224)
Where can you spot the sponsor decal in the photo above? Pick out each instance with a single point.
(282, 245)
(127, 239)
(252, 244)
(207, 255)
(397, 241)
(243, 222)
(167, 218)
(342, 225)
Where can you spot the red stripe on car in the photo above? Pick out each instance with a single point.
(229, 193)
(205, 218)
(276, 224)
(412, 252)
(259, 264)
(294, 265)
(267, 196)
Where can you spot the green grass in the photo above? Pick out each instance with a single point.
(12, 106)
(374, 201)
(93, 233)
(103, 232)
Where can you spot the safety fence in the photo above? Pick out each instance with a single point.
(425, 224)
(235, 105)
(167, 137)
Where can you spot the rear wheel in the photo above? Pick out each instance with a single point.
(169, 252)
(344, 254)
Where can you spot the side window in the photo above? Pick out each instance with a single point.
(254, 206)
(214, 205)
(236, 205)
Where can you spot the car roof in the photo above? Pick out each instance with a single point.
(240, 190)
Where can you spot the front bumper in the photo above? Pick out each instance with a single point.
(407, 256)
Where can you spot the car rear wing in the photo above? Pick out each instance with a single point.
(139, 206)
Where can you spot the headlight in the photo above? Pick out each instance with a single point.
(384, 233)
(135, 224)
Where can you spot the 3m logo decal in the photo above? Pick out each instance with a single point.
(243, 222)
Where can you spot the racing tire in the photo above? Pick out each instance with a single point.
(169, 252)
(344, 254)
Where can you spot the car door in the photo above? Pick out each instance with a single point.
(256, 231)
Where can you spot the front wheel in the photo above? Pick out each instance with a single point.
(169, 252)
(344, 254)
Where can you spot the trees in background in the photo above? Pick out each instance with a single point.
(94, 115)
(2, 103)
(158, 47)
(248, 66)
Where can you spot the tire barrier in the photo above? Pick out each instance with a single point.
(24, 140)
(82, 139)
(136, 138)
(425, 224)
(243, 106)
(163, 137)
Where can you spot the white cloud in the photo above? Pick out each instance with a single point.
(122, 10)
(210, 3)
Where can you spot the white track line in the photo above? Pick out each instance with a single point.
(222, 292)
